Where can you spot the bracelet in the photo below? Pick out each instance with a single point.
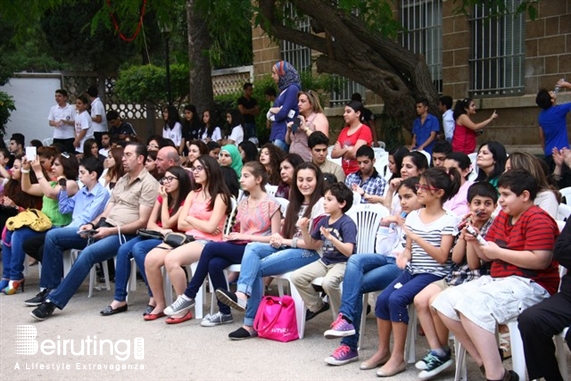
(22, 170)
(294, 242)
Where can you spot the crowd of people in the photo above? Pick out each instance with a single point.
(470, 252)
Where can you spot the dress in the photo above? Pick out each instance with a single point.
(464, 140)
(362, 133)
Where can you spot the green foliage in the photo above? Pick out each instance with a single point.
(498, 8)
(391, 130)
(6, 108)
(148, 83)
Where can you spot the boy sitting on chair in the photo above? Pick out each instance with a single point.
(336, 236)
(520, 246)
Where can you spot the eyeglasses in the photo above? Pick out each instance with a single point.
(198, 168)
(425, 188)
(167, 180)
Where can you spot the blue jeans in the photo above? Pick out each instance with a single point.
(364, 273)
(249, 130)
(13, 255)
(136, 248)
(67, 238)
(393, 302)
(260, 260)
(215, 257)
(281, 144)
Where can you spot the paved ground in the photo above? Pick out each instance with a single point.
(186, 351)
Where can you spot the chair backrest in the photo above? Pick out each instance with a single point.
(563, 212)
(231, 217)
(356, 199)
(428, 156)
(271, 190)
(367, 217)
(336, 160)
(566, 192)
(283, 204)
(474, 174)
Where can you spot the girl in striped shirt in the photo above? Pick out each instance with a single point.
(426, 258)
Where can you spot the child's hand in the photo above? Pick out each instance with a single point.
(402, 260)
(491, 250)
(394, 184)
(276, 240)
(399, 220)
(326, 233)
(303, 223)
(409, 233)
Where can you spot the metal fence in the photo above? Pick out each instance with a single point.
(498, 52)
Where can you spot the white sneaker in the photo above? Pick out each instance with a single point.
(181, 304)
(217, 319)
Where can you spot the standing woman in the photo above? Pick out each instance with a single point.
(190, 128)
(287, 169)
(258, 217)
(491, 161)
(175, 186)
(271, 156)
(285, 107)
(351, 137)
(285, 252)
(464, 138)
(172, 129)
(311, 118)
(209, 132)
(202, 216)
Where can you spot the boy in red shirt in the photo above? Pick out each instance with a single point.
(520, 246)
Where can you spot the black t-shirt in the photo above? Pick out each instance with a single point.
(248, 105)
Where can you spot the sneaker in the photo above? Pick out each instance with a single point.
(310, 314)
(38, 299)
(180, 305)
(342, 355)
(230, 299)
(422, 364)
(217, 319)
(340, 328)
(44, 311)
(435, 365)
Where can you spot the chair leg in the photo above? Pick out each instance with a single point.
(199, 299)
(363, 321)
(299, 303)
(518, 357)
(409, 349)
(461, 373)
(167, 286)
(561, 355)
(92, 278)
(133, 277)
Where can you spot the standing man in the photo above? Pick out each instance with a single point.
(552, 122)
(448, 123)
(425, 128)
(249, 109)
(61, 118)
(128, 210)
(98, 119)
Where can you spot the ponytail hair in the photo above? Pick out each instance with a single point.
(440, 178)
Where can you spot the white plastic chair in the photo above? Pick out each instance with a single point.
(381, 144)
(47, 141)
(271, 190)
(563, 212)
(428, 157)
(474, 174)
(70, 256)
(566, 192)
(336, 160)
(284, 203)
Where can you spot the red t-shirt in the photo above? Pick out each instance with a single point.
(534, 230)
(363, 133)
(463, 140)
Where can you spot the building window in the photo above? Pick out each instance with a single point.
(498, 53)
(422, 24)
(297, 55)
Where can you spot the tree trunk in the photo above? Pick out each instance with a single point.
(201, 93)
(355, 52)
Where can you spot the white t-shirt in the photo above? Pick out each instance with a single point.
(175, 134)
(448, 123)
(97, 108)
(57, 113)
(216, 135)
(83, 122)
(237, 134)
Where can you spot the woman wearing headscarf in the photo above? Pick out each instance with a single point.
(230, 157)
(285, 106)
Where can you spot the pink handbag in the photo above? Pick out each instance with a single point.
(275, 319)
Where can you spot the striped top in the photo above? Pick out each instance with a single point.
(431, 232)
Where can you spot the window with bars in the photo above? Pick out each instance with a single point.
(498, 52)
(422, 24)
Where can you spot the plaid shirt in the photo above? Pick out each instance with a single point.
(461, 273)
(374, 185)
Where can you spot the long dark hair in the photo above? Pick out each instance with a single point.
(173, 118)
(208, 128)
(216, 184)
(448, 181)
(398, 153)
(250, 150)
(195, 123)
(499, 154)
(276, 158)
(87, 148)
(296, 199)
(460, 107)
(184, 187)
(69, 164)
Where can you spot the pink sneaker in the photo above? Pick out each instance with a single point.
(340, 328)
